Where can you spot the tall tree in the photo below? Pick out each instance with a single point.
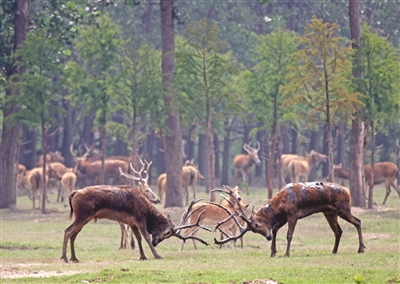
(356, 165)
(41, 57)
(15, 18)
(173, 137)
(203, 72)
(97, 48)
(319, 80)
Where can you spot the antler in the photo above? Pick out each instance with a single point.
(87, 153)
(185, 217)
(241, 214)
(139, 173)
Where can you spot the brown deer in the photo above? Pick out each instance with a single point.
(123, 204)
(92, 170)
(35, 182)
(190, 175)
(68, 182)
(384, 172)
(297, 201)
(146, 190)
(214, 214)
(299, 169)
(51, 158)
(243, 163)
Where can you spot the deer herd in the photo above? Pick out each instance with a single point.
(133, 207)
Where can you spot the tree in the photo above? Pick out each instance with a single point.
(40, 57)
(202, 78)
(137, 90)
(14, 28)
(380, 69)
(173, 137)
(273, 55)
(97, 48)
(319, 80)
(356, 165)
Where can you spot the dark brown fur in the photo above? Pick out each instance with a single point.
(296, 201)
(124, 204)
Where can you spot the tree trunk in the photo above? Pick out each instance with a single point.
(173, 140)
(225, 154)
(356, 166)
(10, 142)
(217, 163)
(371, 173)
(67, 136)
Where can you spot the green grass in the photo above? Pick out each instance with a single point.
(31, 246)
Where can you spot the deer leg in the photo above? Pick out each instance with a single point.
(291, 226)
(124, 235)
(146, 235)
(70, 234)
(72, 242)
(396, 187)
(357, 223)
(274, 232)
(387, 186)
(136, 232)
(332, 219)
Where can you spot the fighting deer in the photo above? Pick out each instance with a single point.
(190, 175)
(68, 182)
(297, 201)
(127, 205)
(243, 163)
(384, 172)
(299, 169)
(146, 190)
(92, 170)
(214, 213)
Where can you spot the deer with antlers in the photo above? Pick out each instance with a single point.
(384, 172)
(294, 202)
(127, 205)
(243, 163)
(214, 214)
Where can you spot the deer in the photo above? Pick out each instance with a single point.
(50, 158)
(287, 158)
(190, 175)
(92, 170)
(299, 169)
(147, 191)
(34, 180)
(214, 214)
(296, 201)
(243, 163)
(68, 182)
(127, 205)
(384, 172)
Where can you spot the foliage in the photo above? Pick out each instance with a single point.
(380, 69)
(137, 89)
(319, 77)
(41, 58)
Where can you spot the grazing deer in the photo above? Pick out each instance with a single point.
(297, 201)
(214, 214)
(68, 182)
(300, 169)
(190, 175)
(123, 204)
(384, 172)
(243, 163)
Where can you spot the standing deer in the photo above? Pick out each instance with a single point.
(123, 204)
(243, 163)
(190, 175)
(297, 201)
(214, 214)
(51, 157)
(300, 169)
(35, 182)
(384, 172)
(68, 182)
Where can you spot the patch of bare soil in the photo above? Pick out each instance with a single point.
(261, 281)
(17, 271)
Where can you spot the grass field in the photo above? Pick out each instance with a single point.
(30, 250)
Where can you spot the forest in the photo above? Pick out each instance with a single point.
(172, 81)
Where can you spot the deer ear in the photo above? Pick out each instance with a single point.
(253, 211)
(170, 221)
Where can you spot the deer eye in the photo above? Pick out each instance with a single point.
(256, 225)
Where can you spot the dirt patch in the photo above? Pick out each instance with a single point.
(16, 272)
(261, 281)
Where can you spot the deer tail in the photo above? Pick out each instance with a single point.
(71, 196)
